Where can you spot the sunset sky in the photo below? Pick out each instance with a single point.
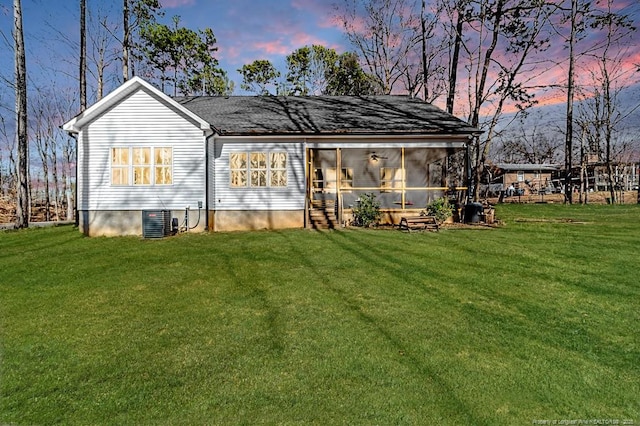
(246, 30)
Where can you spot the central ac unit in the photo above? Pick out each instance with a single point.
(156, 223)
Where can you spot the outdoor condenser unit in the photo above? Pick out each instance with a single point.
(156, 223)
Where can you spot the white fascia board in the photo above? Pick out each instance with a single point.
(356, 141)
(75, 124)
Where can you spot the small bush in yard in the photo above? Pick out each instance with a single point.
(367, 212)
(439, 208)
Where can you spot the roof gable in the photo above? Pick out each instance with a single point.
(123, 92)
(293, 115)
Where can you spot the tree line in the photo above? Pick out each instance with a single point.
(487, 62)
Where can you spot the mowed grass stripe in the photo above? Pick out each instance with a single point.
(536, 319)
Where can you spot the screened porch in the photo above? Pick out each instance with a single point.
(403, 179)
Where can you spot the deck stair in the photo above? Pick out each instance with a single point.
(322, 215)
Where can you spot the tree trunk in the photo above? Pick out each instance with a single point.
(83, 55)
(424, 51)
(453, 67)
(126, 38)
(638, 177)
(608, 127)
(100, 67)
(23, 204)
(570, 88)
(54, 175)
(584, 178)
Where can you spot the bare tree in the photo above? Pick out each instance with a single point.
(514, 28)
(568, 150)
(458, 12)
(433, 48)
(384, 34)
(83, 55)
(126, 40)
(529, 142)
(23, 204)
(602, 109)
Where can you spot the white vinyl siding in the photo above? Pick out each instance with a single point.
(275, 179)
(141, 122)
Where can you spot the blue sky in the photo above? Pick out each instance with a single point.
(246, 30)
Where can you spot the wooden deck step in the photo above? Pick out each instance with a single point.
(322, 214)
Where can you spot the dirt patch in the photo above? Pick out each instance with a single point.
(561, 220)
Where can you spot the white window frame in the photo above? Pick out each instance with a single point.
(130, 166)
(253, 177)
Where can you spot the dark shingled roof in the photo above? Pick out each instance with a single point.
(330, 115)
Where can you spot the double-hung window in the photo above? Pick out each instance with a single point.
(258, 169)
(239, 166)
(141, 166)
(120, 163)
(258, 165)
(278, 169)
(163, 166)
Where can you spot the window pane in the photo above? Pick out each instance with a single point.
(163, 156)
(279, 178)
(142, 175)
(258, 160)
(238, 178)
(120, 176)
(120, 156)
(278, 160)
(163, 175)
(141, 156)
(238, 160)
(258, 178)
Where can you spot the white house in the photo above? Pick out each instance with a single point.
(250, 162)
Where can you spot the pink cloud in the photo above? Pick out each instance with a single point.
(271, 48)
(322, 12)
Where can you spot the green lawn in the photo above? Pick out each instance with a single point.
(535, 320)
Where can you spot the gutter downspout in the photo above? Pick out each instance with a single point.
(209, 144)
(206, 182)
(76, 219)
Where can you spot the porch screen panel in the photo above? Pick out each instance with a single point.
(375, 171)
(425, 175)
(324, 174)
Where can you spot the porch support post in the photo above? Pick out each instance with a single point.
(469, 178)
(309, 172)
(404, 178)
(339, 183)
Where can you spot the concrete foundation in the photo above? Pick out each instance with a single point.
(109, 223)
(251, 220)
